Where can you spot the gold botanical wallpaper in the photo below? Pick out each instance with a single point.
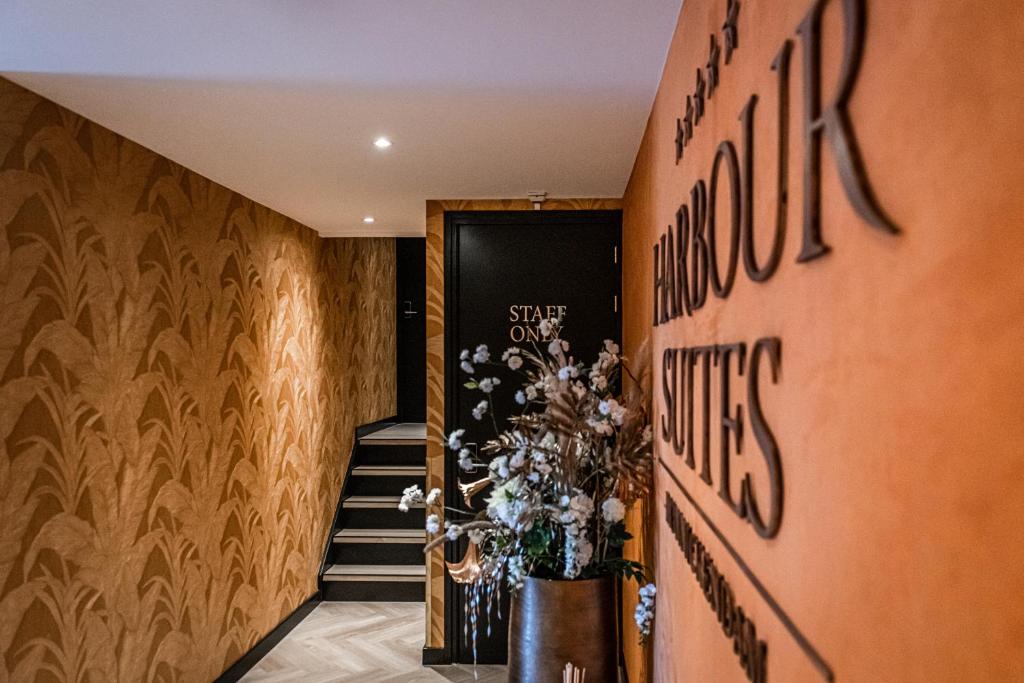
(181, 371)
(435, 362)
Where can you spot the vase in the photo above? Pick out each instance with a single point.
(556, 622)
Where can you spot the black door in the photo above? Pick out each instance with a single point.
(411, 327)
(504, 272)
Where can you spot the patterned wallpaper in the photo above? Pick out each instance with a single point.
(181, 371)
(435, 362)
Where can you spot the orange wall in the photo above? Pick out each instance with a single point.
(181, 372)
(897, 409)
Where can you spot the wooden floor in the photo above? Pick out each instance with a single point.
(370, 642)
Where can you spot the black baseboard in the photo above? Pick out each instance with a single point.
(435, 656)
(260, 649)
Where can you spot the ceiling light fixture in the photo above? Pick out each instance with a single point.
(382, 143)
(368, 219)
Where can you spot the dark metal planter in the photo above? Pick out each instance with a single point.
(555, 622)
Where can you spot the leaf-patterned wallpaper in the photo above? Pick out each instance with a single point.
(181, 371)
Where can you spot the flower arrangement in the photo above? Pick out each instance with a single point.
(564, 472)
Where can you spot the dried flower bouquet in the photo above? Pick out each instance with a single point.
(564, 472)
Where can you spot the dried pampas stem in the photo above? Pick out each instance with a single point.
(573, 675)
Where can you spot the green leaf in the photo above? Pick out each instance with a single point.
(471, 385)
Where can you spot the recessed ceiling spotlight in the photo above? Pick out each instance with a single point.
(382, 143)
(368, 219)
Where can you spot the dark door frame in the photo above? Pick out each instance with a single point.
(452, 221)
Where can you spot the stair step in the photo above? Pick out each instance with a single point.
(406, 434)
(390, 471)
(417, 536)
(375, 572)
(409, 455)
(385, 502)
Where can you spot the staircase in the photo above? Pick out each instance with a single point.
(376, 551)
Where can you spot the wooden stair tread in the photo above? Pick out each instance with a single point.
(405, 434)
(374, 502)
(376, 572)
(390, 470)
(381, 536)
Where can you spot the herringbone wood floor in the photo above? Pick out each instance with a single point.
(369, 642)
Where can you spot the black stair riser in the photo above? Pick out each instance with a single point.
(391, 485)
(381, 518)
(374, 591)
(390, 455)
(377, 553)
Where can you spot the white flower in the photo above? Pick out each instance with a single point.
(465, 459)
(517, 460)
(434, 496)
(541, 467)
(554, 348)
(455, 439)
(453, 532)
(487, 384)
(612, 510)
(582, 505)
(515, 362)
(476, 536)
(601, 427)
(578, 552)
(516, 572)
(598, 382)
(521, 398)
(464, 355)
(433, 524)
(611, 347)
(480, 410)
(577, 510)
(467, 368)
(531, 392)
(644, 613)
(568, 372)
(604, 362)
(510, 351)
(612, 409)
(546, 327)
(499, 467)
(410, 496)
(482, 355)
(511, 504)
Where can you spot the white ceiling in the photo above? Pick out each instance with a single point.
(282, 99)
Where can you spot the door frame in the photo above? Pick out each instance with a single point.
(452, 221)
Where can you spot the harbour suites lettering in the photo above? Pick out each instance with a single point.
(700, 253)
(752, 652)
(687, 259)
(681, 369)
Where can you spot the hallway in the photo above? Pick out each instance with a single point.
(550, 341)
(369, 642)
